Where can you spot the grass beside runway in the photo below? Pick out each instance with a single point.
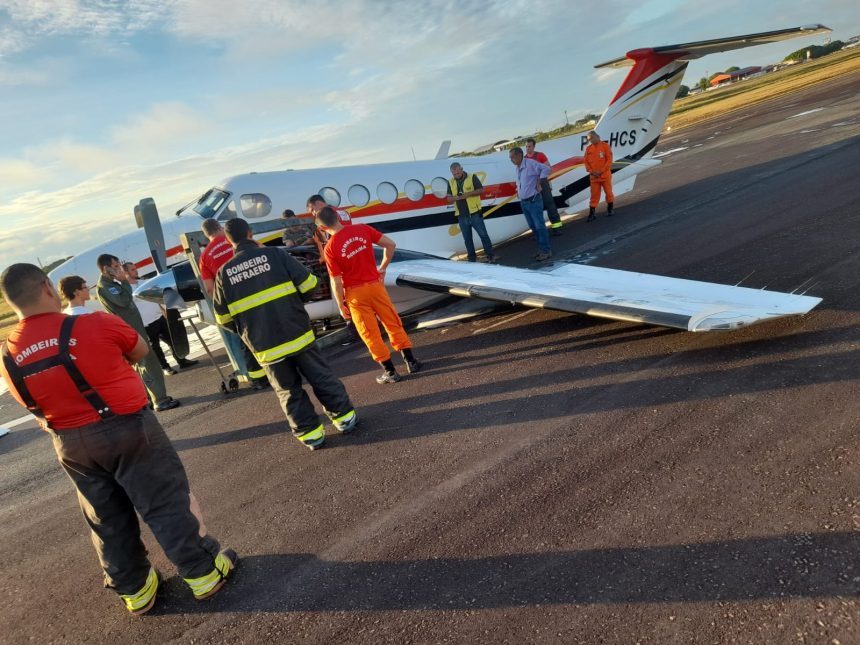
(7, 319)
(693, 109)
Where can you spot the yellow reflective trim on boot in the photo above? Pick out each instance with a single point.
(312, 435)
(346, 417)
(256, 373)
(557, 224)
(261, 297)
(143, 600)
(201, 587)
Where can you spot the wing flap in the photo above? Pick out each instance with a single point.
(606, 293)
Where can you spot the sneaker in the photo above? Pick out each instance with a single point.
(346, 423)
(312, 439)
(186, 362)
(540, 257)
(169, 371)
(388, 377)
(142, 601)
(168, 404)
(207, 586)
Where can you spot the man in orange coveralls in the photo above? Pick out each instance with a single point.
(358, 288)
(598, 163)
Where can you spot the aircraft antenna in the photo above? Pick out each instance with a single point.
(414, 158)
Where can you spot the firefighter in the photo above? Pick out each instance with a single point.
(359, 290)
(259, 294)
(598, 163)
(73, 374)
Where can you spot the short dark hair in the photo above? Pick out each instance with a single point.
(517, 151)
(288, 213)
(237, 230)
(315, 198)
(531, 141)
(69, 285)
(105, 260)
(328, 216)
(20, 284)
(457, 164)
(210, 226)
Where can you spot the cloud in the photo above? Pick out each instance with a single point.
(163, 126)
(21, 173)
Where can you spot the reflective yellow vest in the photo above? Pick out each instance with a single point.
(472, 203)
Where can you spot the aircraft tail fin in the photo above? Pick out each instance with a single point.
(635, 117)
(444, 149)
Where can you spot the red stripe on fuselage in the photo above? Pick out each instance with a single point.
(647, 62)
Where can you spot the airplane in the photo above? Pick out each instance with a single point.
(406, 201)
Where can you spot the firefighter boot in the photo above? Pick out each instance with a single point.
(591, 216)
(390, 375)
(412, 364)
(609, 206)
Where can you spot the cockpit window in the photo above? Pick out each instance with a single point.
(210, 203)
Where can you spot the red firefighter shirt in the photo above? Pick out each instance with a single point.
(349, 254)
(214, 256)
(539, 157)
(98, 345)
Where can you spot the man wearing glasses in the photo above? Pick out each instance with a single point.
(76, 292)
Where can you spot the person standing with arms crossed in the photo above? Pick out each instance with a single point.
(115, 294)
(464, 190)
(529, 175)
(546, 189)
(260, 294)
(73, 374)
(598, 163)
(359, 289)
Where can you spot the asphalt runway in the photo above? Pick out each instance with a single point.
(549, 478)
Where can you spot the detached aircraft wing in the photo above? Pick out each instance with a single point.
(605, 293)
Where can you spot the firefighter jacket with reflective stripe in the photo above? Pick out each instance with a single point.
(259, 294)
(473, 203)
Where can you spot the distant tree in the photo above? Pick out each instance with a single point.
(815, 51)
(682, 92)
(731, 69)
(703, 83)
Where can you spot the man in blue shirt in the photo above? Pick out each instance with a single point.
(529, 176)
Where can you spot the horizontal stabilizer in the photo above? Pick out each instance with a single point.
(690, 51)
(606, 293)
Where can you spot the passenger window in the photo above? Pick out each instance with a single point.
(255, 205)
(387, 192)
(358, 195)
(414, 190)
(330, 195)
(439, 186)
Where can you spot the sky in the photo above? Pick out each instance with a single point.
(104, 102)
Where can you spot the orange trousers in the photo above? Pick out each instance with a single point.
(596, 185)
(370, 301)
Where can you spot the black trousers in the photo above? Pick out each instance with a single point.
(286, 379)
(126, 464)
(158, 331)
(549, 202)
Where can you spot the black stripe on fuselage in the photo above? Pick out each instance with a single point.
(665, 77)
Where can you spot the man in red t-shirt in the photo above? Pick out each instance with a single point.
(216, 254)
(545, 189)
(359, 290)
(73, 373)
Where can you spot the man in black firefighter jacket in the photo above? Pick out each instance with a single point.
(259, 294)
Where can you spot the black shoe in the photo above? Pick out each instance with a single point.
(388, 377)
(169, 371)
(555, 232)
(609, 210)
(168, 404)
(260, 384)
(186, 362)
(413, 366)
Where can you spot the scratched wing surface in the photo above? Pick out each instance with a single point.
(606, 293)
